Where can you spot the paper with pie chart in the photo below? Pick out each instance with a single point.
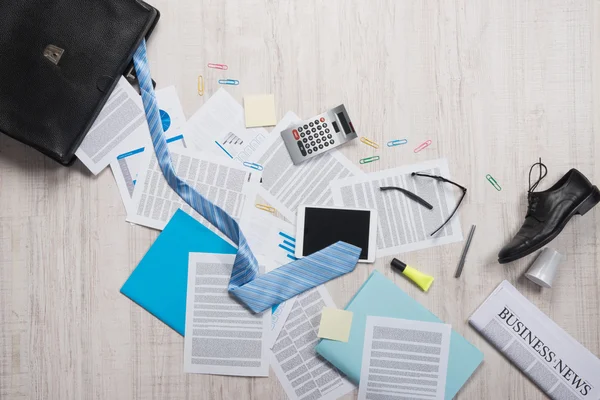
(126, 164)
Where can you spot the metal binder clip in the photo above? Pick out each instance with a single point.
(396, 142)
(229, 82)
(423, 146)
(369, 142)
(200, 85)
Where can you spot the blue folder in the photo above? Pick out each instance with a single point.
(159, 282)
(382, 298)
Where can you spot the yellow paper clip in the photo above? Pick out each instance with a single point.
(493, 182)
(369, 142)
(423, 146)
(267, 208)
(200, 85)
(369, 160)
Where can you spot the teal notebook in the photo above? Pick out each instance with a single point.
(159, 282)
(382, 298)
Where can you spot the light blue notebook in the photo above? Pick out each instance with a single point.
(159, 282)
(382, 298)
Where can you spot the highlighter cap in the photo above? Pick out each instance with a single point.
(399, 265)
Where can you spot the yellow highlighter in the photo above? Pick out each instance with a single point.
(422, 280)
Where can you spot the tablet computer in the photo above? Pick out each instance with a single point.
(319, 227)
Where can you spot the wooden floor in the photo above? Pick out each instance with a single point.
(495, 84)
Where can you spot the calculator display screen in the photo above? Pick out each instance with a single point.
(326, 226)
(344, 123)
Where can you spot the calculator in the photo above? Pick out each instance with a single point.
(307, 139)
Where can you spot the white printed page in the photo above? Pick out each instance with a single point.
(224, 182)
(304, 374)
(272, 240)
(126, 165)
(222, 337)
(218, 127)
(122, 116)
(559, 365)
(286, 186)
(404, 359)
(403, 224)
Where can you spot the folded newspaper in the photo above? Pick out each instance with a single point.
(543, 351)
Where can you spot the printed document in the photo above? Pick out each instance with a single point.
(559, 365)
(218, 127)
(273, 240)
(224, 182)
(126, 165)
(122, 116)
(301, 371)
(404, 225)
(286, 186)
(222, 337)
(404, 359)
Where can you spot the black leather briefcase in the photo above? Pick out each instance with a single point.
(59, 62)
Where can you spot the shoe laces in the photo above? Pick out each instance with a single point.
(532, 199)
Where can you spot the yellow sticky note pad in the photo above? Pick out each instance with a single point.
(335, 324)
(260, 110)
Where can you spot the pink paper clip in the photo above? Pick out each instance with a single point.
(423, 146)
(218, 66)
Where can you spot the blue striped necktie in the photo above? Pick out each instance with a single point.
(258, 292)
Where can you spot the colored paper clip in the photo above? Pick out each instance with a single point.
(369, 142)
(265, 207)
(493, 182)
(423, 146)
(200, 85)
(218, 66)
(229, 82)
(257, 167)
(369, 160)
(396, 142)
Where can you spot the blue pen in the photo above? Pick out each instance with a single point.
(255, 166)
(229, 82)
(397, 142)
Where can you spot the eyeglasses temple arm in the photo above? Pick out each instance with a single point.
(410, 195)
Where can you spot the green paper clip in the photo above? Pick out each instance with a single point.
(493, 182)
(369, 160)
(229, 82)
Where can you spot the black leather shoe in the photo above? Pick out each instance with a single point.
(549, 211)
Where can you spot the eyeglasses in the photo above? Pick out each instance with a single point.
(423, 202)
(442, 179)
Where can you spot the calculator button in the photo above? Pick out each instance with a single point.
(325, 125)
(310, 137)
(302, 150)
(309, 151)
(327, 130)
(316, 122)
(329, 136)
(302, 134)
(305, 140)
(310, 124)
(319, 127)
(320, 146)
(312, 143)
(322, 119)
(331, 141)
(296, 136)
(318, 140)
(326, 144)
(305, 126)
(300, 129)
(314, 130)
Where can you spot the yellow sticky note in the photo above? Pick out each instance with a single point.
(335, 324)
(260, 110)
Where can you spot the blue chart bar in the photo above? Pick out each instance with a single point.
(223, 148)
(288, 249)
(287, 236)
(292, 257)
(290, 244)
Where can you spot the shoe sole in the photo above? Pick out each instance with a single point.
(586, 205)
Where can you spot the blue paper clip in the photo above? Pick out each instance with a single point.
(229, 82)
(397, 142)
(257, 167)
